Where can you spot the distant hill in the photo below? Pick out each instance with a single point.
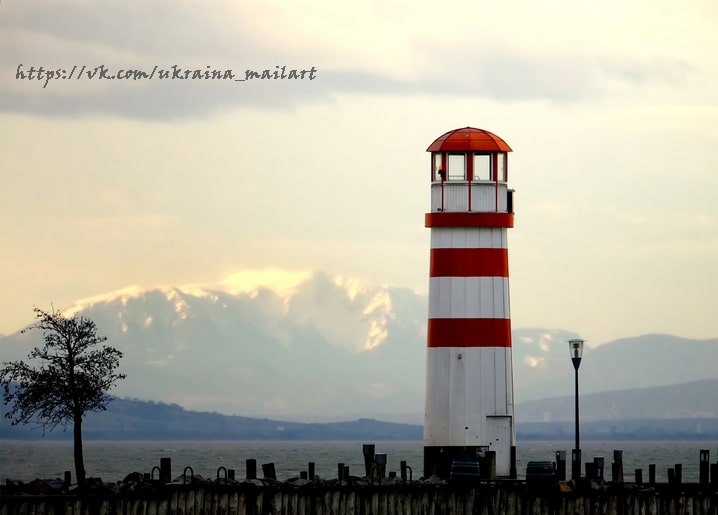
(127, 419)
(314, 347)
(622, 430)
(695, 400)
(543, 369)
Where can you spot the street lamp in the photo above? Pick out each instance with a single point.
(575, 346)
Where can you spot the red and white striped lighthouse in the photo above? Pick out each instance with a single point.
(469, 378)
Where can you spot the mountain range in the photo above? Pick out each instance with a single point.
(605, 416)
(310, 346)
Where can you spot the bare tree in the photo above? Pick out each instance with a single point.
(71, 378)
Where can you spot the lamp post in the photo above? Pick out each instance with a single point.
(575, 346)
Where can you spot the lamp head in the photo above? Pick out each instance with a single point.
(575, 346)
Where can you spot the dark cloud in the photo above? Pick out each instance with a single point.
(164, 99)
(194, 35)
(558, 82)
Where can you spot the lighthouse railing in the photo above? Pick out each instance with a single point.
(453, 196)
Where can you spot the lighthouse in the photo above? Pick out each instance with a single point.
(469, 380)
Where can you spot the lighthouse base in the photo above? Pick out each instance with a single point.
(438, 460)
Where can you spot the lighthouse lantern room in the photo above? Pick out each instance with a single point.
(469, 379)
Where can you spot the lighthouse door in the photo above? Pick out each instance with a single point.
(498, 432)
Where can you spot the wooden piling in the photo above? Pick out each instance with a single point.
(490, 462)
(590, 471)
(383, 497)
(380, 464)
(268, 471)
(165, 470)
(704, 467)
(368, 450)
(278, 499)
(678, 473)
(598, 463)
(617, 466)
(561, 465)
(251, 468)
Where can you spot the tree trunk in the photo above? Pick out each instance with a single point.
(79, 458)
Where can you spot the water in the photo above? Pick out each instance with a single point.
(113, 460)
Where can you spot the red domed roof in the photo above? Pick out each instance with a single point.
(467, 139)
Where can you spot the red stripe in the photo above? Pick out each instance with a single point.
(480, 262)
(476, 219)
(469, 332)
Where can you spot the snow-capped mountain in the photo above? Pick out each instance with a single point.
(313, 346)
(290, 344)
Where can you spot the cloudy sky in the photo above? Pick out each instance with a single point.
(611, 109)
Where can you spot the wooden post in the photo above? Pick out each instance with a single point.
(590, 470)
(311, 468)
(251, 466)
(652, 474)
(678, 467)
(268, 471)
(561, 465)
(230, 474)
(598, 464)
(490, 466)
(165, 470)
(513, 473)
(68, 479)
(576, 463)
(704, 471)
(639, 476)
(617, 467)
(380, 460)
(340, 471)
(368, 451)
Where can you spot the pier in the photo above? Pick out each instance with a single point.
(375, 492)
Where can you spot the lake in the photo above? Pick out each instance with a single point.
(113, 460)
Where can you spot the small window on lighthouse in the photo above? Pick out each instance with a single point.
(438, 166)
(501, 166)
(457, 167)
(482, 167)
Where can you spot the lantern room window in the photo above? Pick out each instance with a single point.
(438, 166)
(501, 166)
(457, 167)
(482, 167)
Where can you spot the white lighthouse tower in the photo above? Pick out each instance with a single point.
(469, 378)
